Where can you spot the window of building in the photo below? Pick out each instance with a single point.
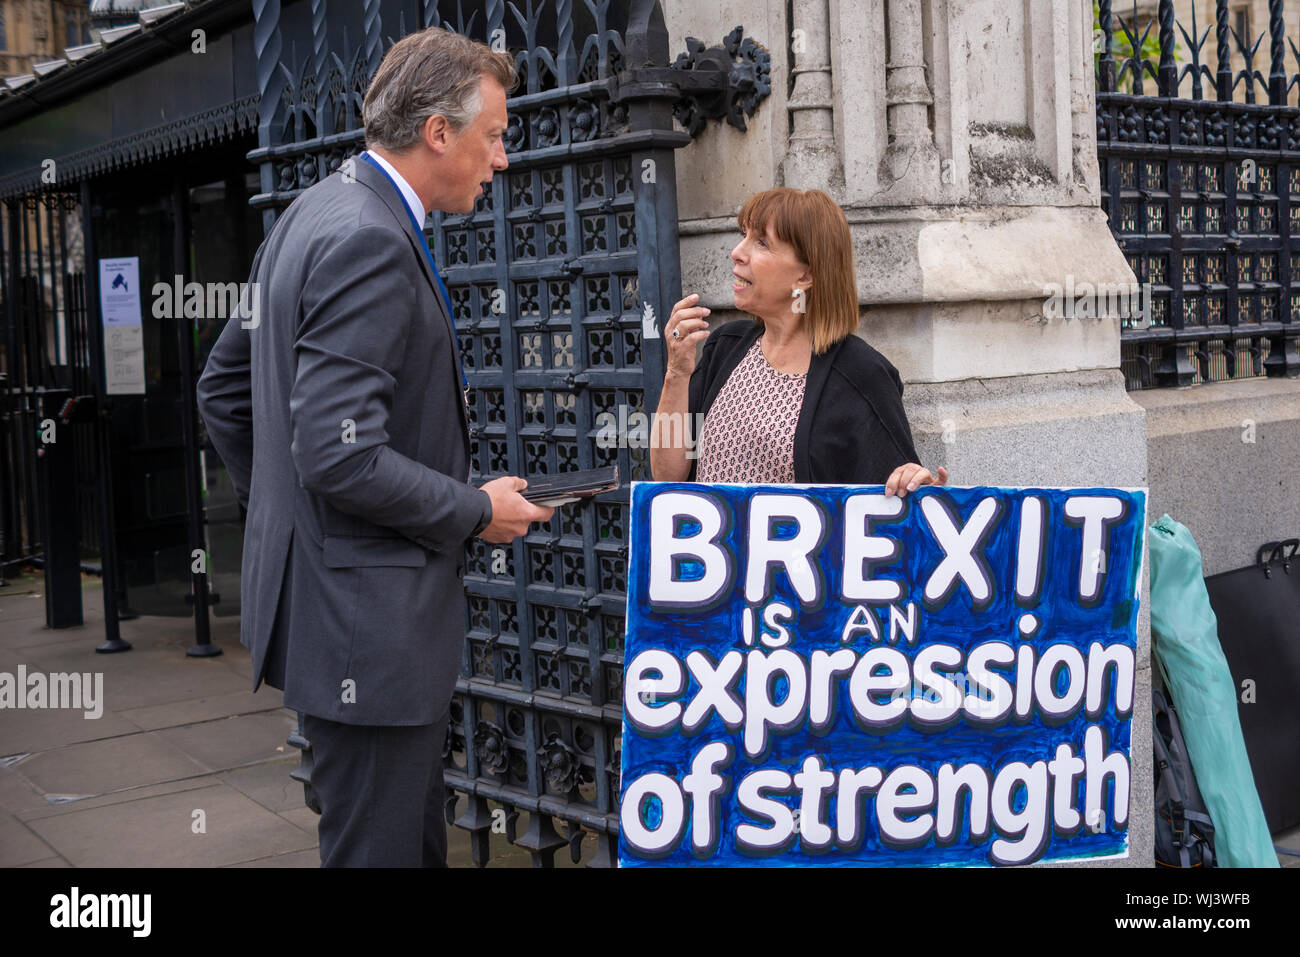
(3, 44)
(1241, 23)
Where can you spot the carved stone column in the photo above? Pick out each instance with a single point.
(911, 158)
(812, 160)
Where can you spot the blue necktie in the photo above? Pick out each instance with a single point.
(424, 243)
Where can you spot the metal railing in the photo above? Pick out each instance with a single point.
(1201, 183)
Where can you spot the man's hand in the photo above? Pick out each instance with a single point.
(910, 477)
(511, 512)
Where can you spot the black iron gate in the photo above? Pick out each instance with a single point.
(1203, 191)
(49, 459)
(559, 281)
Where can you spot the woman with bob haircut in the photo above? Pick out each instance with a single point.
(791, 395)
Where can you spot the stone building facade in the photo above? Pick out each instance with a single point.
(32, 31)
(960, 139)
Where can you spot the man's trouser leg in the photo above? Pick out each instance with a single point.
(435, 814)
(380, 789)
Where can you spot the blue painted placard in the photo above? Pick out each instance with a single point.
(823, 675)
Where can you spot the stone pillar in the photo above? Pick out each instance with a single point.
(964, 134)
(811, 159)
(911, 160)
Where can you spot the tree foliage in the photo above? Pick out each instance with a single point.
(1122, 46)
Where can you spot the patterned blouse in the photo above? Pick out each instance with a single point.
(748, 433)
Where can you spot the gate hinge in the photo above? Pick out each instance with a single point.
(720, 82)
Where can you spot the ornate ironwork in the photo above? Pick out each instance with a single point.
(559, 280)
(490, 746)
(560, 765)
(176, 136)
(727, 81)
(1203, 196)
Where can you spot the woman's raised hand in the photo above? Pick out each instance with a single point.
(910, 477)
(685, 329)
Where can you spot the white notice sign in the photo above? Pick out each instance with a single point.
(119, 304)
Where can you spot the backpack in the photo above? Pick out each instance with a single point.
(1184, 832)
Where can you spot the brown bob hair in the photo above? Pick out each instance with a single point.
(815, 226)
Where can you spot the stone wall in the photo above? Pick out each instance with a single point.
(963, 151)
(1224, 459)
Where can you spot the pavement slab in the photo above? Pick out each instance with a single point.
(54, 807)
(269, 784)
(307, 858)
(10, 658)
(234, 741)
(144, 676)
(193, 710)
(18, 795)
(159, 831)
(31, 730)
(19, 629)
(98, 767)
(19, 845)
(20, 603)
(305, 818)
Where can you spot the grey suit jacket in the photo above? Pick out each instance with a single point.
(341, 420)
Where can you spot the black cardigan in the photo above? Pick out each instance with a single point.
(852, 429)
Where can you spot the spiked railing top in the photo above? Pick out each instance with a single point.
(1134, 45)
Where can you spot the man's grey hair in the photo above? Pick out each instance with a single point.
(432, 71)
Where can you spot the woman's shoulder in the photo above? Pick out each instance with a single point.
(855, 351)
(862, 366)
(865, 390)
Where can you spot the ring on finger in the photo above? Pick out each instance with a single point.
(677, 333)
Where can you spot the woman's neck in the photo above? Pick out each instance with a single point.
(786, 343)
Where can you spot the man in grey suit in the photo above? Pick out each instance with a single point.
(338, 409)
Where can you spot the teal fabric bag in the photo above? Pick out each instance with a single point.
(1185, 642)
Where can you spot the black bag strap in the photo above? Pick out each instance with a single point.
(1164, 763)
(1166, 767)
(1283, 551)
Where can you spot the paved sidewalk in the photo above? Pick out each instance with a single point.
(178, 736)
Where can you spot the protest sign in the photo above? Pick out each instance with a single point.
(823, 675)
